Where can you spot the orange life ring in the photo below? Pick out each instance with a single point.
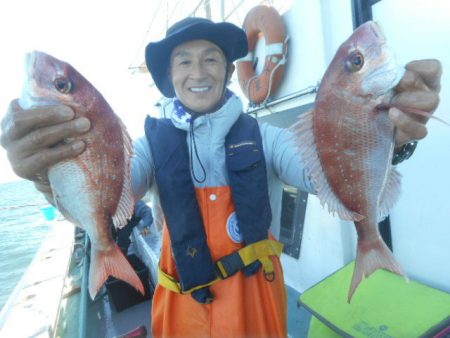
(265, 20)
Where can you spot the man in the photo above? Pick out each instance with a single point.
(218, 176)
(142, 212)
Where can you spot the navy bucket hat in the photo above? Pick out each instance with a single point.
(230, 38)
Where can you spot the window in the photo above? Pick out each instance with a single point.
(293, 208)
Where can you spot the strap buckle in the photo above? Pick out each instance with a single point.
(228, 265)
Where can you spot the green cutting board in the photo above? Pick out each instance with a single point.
(385, 305)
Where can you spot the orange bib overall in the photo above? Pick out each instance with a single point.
(247, 307)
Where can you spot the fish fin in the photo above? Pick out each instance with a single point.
(305, 140)
(111, 263)
(125, 207)
(371, 258)
(390, 194)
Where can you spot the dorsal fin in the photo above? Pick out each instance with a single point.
(125, 207)
(305, 141)
(390, 193)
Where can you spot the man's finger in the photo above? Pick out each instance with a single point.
(49, 136)
(43, 187)
(402, 138)
(426, 101)
(411, 81)
(39, 162)
(430, 70)
(18, 122)
(408, 128)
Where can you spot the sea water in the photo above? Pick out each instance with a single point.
(23, 226)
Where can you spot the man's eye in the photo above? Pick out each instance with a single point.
(185, 62)
(211, 60)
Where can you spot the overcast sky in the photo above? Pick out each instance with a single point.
(100, 38)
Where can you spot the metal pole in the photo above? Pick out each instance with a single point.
(303, 92)
(196, 8)
(236, 7)
(84, 291)
(222, 10)
(208, 9)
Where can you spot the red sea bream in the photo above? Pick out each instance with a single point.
(92, 190)
(347, 142)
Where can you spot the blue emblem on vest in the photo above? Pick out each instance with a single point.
(233, 229)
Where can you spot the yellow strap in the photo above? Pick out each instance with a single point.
(221, 268)
(168, 281)
(172, 284)
(257, 251)
(267, 265)
(261, 249)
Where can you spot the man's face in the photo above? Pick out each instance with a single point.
(197, 71)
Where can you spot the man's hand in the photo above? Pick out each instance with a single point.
(36, 138)
(418, 90)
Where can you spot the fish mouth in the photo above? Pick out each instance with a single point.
(30, 63)
(389, 73)
(377, 31)
(28, 99)
(386, 78)
(31, 92)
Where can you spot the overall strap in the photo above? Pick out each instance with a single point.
(248, 179)
(178, 200)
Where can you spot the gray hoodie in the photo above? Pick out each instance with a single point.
(282, 159)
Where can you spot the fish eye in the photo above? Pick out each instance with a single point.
(355, 61)
(62, 84)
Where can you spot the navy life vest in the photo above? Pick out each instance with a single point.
(248, 180)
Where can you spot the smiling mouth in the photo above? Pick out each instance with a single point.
(199, 89)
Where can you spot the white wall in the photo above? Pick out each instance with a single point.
(328, 243)
(316, 29)
(421, 219)
(305, 62)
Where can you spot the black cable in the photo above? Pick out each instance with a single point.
(194, 149)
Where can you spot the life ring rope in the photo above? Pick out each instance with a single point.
(275, 48)
(270, 50)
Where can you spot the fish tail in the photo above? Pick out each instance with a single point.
(111, 263)
(371, 257)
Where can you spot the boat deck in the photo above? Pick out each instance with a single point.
(52, 300)
(105, 321)
(110, 323)
(32, 308)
